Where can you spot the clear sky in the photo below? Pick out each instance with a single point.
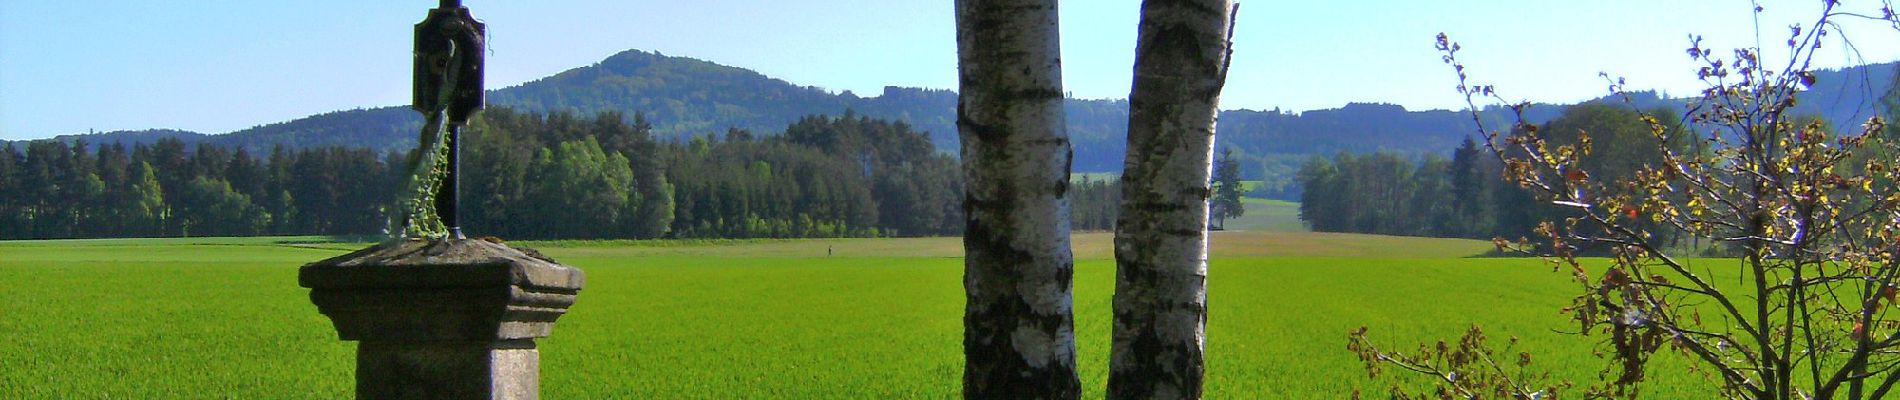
(215, 66)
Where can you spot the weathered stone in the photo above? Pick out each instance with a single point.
(447, 370)
(448, 319)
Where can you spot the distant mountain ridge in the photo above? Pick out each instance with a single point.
(143, 136)
(684, 97)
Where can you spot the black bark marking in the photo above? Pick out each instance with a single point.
(1002, 68)
(1068, 161)
(1068, 170)
(1182, 232)
(1199, 192)
(1139, 369)
(1058, 141)
(984, 133)
(994, 368)
(1155, 207)
(980, 24)
(1031, 94)
(1198, 7)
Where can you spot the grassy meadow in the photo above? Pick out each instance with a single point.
(880, 318)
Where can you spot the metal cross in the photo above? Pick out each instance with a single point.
(448, 85)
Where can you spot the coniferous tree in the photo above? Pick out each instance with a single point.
(495, 173)
(1227, 188)
(244, 173)
(42, 184)
(1472, 179)
(167, 158)
(12, 223)
(652, 211)
(281, 205)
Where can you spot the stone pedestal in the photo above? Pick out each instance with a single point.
(449, 319)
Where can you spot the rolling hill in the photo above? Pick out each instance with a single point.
(684, 97)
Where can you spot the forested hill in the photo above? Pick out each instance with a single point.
(679, 96)
(143, 136)
(684, 97)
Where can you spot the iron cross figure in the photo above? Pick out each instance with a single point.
(449, 45)
(447, 90)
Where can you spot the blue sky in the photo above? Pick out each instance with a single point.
(216, 66)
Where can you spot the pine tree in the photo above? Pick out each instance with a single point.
(1227, 188)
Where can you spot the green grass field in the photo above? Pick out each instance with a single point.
(188, 318)
(1268, 215)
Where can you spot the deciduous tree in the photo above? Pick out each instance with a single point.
(1802, 309)
(1181, 59)
(1019, 330)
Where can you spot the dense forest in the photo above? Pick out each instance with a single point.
(50, 189)
(696, 169)
(683, 98)
(526, 175)
(1464, 196)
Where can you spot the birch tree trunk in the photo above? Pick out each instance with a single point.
(1019, 335)
(1161, 235)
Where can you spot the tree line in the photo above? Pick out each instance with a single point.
(525, 175)
(55, 189)
(1388, 193)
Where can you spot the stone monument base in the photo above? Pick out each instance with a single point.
(443, 319)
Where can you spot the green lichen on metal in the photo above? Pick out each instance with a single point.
(416, 212)
(448, 89)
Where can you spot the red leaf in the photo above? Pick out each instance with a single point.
(1575, 175)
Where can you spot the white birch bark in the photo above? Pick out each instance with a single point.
(1161, 235)
(1019, 339)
